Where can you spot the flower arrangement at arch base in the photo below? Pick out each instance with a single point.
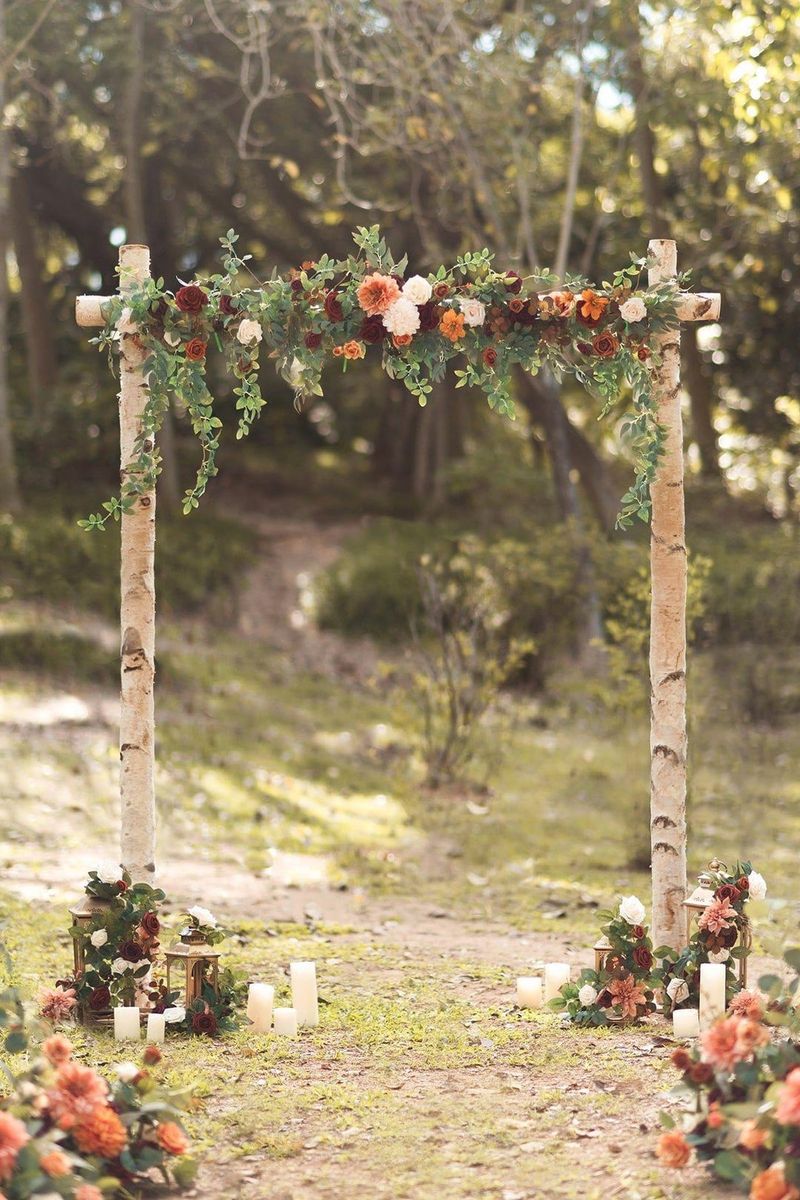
(743, 1086)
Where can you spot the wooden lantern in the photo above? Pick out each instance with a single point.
(191, 965)
(84, 914)
(601, 950)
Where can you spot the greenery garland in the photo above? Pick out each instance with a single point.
(493, 320)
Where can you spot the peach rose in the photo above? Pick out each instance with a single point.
(773, 1185)
(673, 1150)
(752, 1136)
(353, 350)
(788, 1110)
(172, 1138)
(55, 1163)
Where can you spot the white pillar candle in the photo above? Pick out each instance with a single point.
(555, 976)
(685, 1023)
(156, 1027)
(260, 1000)
(529, 992)
(285, 1022)
(712, 993)
(127, 1025)
(304, 992)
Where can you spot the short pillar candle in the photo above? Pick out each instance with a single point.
(685, 1023)
(529, 992)
(156, 1027)
(285, 1022)
(712, 993)
(127, 1024)
(260, 1001)
(555, 976)
(304, 992)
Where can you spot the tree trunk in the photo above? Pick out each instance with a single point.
(700, 387)
(9, 490)
(137, 612)
(668, 743)
(34, 299)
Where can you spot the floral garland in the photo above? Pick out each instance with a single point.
(339, 310)
(743, 1083)
(722, 935)
(64, 1132)
(623, 989)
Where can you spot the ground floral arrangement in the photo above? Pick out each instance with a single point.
(66, 1132)
(364, 305)
(743, 1085)
(120, 952)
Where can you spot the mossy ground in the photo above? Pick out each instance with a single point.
(420, 909)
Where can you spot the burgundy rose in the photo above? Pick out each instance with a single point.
(638, 932)
(441, 289)
(151, 924)
(296, 285)
(428, 316)
(204, 1022)
(131, 951)
(605, 345)
(682, 1059)
(701, 1072)
(191, 298)
(489, 356)
(195, 350)
(585, 347)
(643, 958)
(333, 307)
(643, 354)
(99, 998)
(228, 306)
(513, 282)
(372, 330)
(313, 340)
(727, 891)
(122, 886)
(727, 937)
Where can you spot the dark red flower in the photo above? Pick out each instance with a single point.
(743, 883)
(605, 345)
(191, 298)
(489, 356)
(727, 892)
(701, 1072)
(589, 322)
(585, 347)
(638, 932)
(312, 340)
(727, 937)
(131, 951)
(513, 282)
(195, 350)
(333, 307)
(643, 354)
(204, 1022)
(643, 958)
(159, 308)
(681, 1059)
(441, 289)
(428, 316)
(99, 998)
(228, 306)
(122, 886)
(150, 924)
(296, 285)
(372, 330)
(152, 1055)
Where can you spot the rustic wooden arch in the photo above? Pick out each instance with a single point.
(668, 564)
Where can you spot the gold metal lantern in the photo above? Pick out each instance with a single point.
(191, 965)
(696, 904)
(84, 914)
(601, 951)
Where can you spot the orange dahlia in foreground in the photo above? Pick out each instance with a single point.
(172, 1138)
(101, 1132)
(376, 293)
(673, 1150)
(13, 1136)
(772, 1184)
(57, 1050)
(77, 1092)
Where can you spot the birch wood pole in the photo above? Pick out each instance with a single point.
(668, 573)
(137, 597)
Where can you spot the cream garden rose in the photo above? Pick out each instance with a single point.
(758, 886)
(587, 995)
(678, 990)
(401, 318)
(417, 290)
(633, 310)
(249, 332)
(99, 938)
(203, 916)
(473, 312)
(631, 910)
(108, 872)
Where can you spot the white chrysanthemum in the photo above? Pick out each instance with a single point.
(99, 938)
(633, 310)
(473, 312)
(203, 916)
(249, 331)
(678, 990)
(417, 290)
(120, 966)
(758, 885)
(587, 995)
(401, 317)
(127, 1071)
(126, 323)
(631, 910)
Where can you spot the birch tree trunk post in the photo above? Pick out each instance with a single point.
(137, 597)
(668, 575)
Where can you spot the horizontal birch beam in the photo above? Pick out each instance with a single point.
(89, 310)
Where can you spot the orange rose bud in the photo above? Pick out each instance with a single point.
(401, 339)
(55, 1163)
(353, 350)
(338, 351)
(195, 349)
(673, 1150)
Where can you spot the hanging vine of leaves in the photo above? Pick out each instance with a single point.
(345, 310)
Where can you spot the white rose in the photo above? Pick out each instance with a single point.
(108, 872)
(203, 916)
(587, 995)
(174, 1016)
(126, 323)
(473, 311)
(417, 290)
(631, 910)
(633, 310)
(718, 956)
(99, 938)
(249, 331)
(120, 966)
(127, 1071)
(401, 317)
(172, 339)
(678, 990)
(758, 885)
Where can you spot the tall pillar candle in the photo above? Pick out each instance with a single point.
(304, 992)
(156, 1027)
(260, 1000)
(285, 1022)
(529, 992)
(555, 976)
(712, 993)
(127, 1024)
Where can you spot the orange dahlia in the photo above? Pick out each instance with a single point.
(101, 1132)
(376, 293)
(77, 1092)
(56, 1049)
(591, 306)
(451, 325)
(55, 1163)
